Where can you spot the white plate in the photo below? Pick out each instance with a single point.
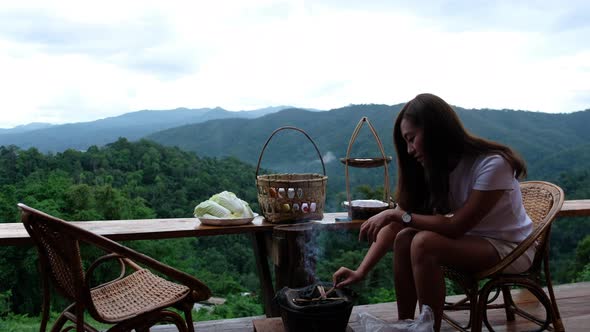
(227, 222)
(366, 203)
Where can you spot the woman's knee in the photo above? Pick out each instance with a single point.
(403, 240)
(425, 244)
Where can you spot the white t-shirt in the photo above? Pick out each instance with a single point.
(507, 220)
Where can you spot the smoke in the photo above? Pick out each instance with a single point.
(311, 251)
(313, 244)
(329, 157)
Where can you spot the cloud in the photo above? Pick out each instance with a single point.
(144, 43)
(65, 61)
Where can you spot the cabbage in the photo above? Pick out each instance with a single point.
(212, 208)
(247, 212)
(229, 201)
(224, 205)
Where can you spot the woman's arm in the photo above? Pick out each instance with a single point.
(371, 228)
(478, 205)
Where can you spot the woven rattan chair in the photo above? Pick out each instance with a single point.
(542, 201)
(137, 299)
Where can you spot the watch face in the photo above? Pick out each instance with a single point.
(406, 217)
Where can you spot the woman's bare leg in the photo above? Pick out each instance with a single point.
(430, 251)
(405, 289)
(384, 244)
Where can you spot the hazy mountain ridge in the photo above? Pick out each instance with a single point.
(550, 143)
(525, 130)
(25, 127)
(133, 126)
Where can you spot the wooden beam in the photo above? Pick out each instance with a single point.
(575, 208)
(152, 229)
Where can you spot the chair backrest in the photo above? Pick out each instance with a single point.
(542, 201)
(59, 251)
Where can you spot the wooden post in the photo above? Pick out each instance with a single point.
(293, 255)
(261, 253)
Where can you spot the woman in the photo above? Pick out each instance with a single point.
(459, 205)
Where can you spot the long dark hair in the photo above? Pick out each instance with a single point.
(425, 189)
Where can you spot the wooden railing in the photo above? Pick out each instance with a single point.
(575, 208)
(151, 229)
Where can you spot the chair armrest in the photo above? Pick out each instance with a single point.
(123, 262)
(202, 291)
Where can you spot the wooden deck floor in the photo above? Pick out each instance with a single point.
(573, 300)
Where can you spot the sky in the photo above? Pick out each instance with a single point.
(75, 61)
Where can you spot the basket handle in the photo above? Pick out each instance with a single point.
(355, 133)
(292, 128)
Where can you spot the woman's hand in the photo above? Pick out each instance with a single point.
(345, 276)
(373, 225)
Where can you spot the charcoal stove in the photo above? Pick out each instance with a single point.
(316, 308)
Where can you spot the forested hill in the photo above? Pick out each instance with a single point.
(550, 143)
(124, 180)
(133, 126)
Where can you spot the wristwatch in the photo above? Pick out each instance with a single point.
(407, 218)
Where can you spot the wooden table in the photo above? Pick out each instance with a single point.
(12, 234)
(260, 232)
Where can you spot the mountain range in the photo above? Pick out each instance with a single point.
(135, 125)
(551, 144)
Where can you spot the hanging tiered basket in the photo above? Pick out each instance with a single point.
(291, 197)
(364, 209)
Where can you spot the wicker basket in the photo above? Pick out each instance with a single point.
(287, 198)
